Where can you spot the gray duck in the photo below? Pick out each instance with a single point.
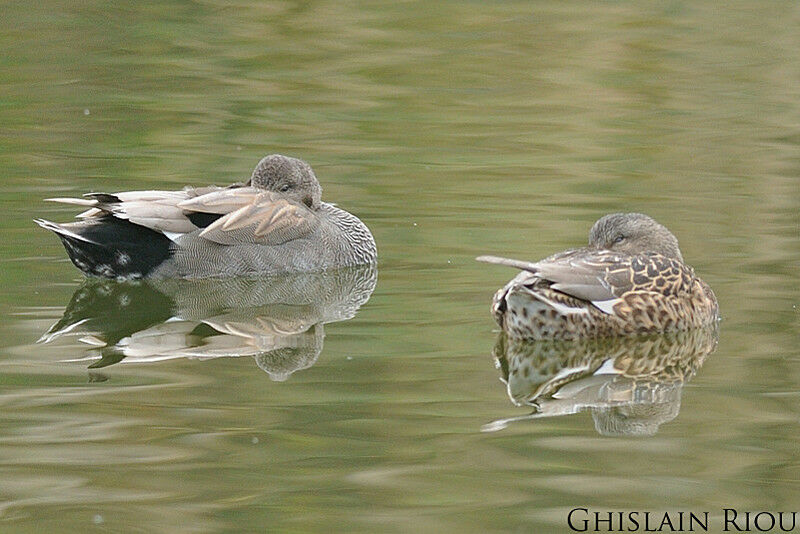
(630, 279)
(274, 223)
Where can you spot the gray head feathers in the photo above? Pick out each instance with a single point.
(633, 233)
(291, 177)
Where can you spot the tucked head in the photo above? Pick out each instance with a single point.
(290, 177)
(633, 233)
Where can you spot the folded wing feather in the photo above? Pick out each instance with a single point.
(156, 210)
(576, 273)
(267, 220)
(249, 215)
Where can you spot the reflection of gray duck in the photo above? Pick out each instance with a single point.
(631, 384)
(278, 320)
(274, 223)
(630, 279)
(280, 363)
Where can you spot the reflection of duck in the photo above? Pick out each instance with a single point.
(275, 223)
(278, 320)
(630, 279)
(631, 384)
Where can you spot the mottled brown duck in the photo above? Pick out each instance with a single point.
(630, 279)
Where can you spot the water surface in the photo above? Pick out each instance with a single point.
(452, 129)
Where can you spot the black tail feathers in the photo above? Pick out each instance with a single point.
(111, 247)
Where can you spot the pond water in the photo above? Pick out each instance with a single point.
(453, 129)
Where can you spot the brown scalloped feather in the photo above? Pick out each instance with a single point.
(590, 293)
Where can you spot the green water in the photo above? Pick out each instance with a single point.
(452, 129)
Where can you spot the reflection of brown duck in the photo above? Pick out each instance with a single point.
(632, 384)
(629, 279)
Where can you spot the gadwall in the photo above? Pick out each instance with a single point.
(278, 319)
(276, 222)
(631, 384)
(630, 279)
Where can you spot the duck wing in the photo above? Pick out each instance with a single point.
(234, 215)
(603, 277)
(156, 210)
(252, 216)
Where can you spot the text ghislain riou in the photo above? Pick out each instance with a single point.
(585, 520)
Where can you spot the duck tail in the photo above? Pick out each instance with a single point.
(111, 247)
(519, 264)
(63, 232)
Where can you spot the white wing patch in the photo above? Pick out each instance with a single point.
(608, 368)
(173, 236)
(563, 309)
(606, 306)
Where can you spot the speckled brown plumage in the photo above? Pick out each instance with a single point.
(533, 370)
(630, 279)
(631, 384)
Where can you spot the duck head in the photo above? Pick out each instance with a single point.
(290, 177)
(633, 233)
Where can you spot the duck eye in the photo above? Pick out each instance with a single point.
(619, 239)
(284, 188)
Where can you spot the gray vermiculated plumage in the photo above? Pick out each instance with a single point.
(275, 222)
(278, 319)
(339, 240)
